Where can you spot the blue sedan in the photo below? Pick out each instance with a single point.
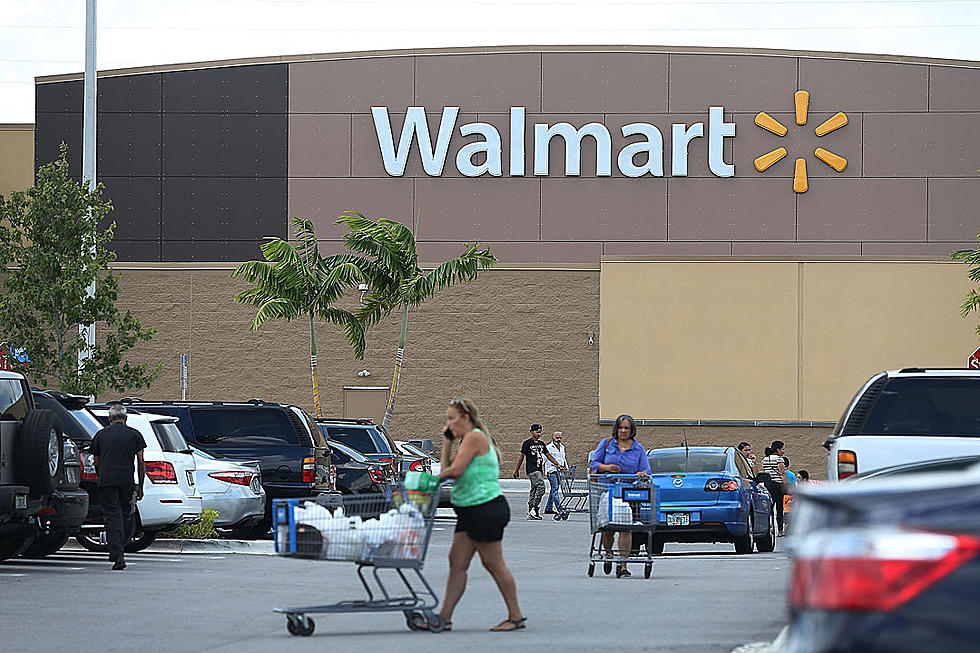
(709, 494)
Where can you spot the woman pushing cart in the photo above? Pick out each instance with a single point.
(622, 499)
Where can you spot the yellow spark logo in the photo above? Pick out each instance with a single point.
(770, 124)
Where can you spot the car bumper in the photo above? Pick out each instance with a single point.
(709, 523)
(70, 509)
(234, 510)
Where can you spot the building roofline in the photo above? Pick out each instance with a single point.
(513, 49)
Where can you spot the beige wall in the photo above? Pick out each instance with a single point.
(17, 160)
(770, 340)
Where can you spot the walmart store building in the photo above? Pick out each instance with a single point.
(723, 243)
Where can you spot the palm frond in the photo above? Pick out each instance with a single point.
(276, 308)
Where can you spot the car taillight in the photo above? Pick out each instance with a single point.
(387, 460)
(333, 477)
(161, 472)
(88, 467)
(847, 464)
(377, 474)
(720, 485)
(416, 466)
(235, 478)
(873, 569)
(309, 470)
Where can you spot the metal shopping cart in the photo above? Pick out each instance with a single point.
(573, 489)
(621, 503)
(372, 531)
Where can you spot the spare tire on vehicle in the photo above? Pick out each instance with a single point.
(39, 451)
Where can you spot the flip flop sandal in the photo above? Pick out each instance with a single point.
(519, 624)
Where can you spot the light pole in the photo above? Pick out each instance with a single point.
(88, 150)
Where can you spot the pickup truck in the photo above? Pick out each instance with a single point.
(41, 503)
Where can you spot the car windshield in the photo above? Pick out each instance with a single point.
(687, 463)
(170, 438)
(932, 406)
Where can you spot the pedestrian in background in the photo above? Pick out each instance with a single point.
(118, 454)
(775, 469)
(746, 450)
(620, 454)
(533, 454)
(557, 454)
(482, 512)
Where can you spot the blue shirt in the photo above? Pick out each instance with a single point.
(631, 461)
(791, 477)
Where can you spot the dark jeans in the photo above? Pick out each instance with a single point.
(776, 492)
(117, 512)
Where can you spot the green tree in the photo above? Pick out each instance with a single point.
(972, 258)
(51, 250)
(297, 281)
(385, 252)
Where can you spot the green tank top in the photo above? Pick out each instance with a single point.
(480, 481)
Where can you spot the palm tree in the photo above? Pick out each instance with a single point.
(970, 257)
(297, 281)
(385, 252)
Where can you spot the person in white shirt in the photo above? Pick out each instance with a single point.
(557, 451)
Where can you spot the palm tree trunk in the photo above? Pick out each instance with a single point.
(316, 382)
(399, 356)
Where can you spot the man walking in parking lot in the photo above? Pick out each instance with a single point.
(115, 448)
(534, 453)
(552, 465)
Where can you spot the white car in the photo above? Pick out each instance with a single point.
(905, 416)
(231, 487)
(170, 495)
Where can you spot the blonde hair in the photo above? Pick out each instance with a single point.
(468, 408)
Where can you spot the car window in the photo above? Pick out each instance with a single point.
(358, 438)
(689, 463)
(347, 453)
(743, 465)
(926, 406)
(243, 426)
(75, 431)
(169, 437)
(13, 403)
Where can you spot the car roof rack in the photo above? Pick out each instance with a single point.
(364, 421)
(170, 402)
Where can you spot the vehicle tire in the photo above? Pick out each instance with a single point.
(141, 540)
(767, 543)
(15, 546)
(746, 543)
(260, 530)
(39, 446)
(45, 545)
(90, 540)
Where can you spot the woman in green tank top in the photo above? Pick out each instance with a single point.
(482, 511)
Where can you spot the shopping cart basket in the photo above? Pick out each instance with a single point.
(573, 489)
(621, 503)
(372, 531)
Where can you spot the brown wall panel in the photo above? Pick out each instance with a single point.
(351, 85)
(852, 86)
(478, 82)
(603, 209)
(953, 209)
(954, 89)
(865, 209)
(319, 145)
(672, 248)
(604, 82)
(795, 249)
(736, 82)
(322, 200)
(515, 252)
(747, 209)
(921, 144)
(470, 210)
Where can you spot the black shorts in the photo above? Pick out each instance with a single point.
(483, 522)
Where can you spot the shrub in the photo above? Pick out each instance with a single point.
(203, 530)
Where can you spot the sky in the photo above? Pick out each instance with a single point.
(47, 37)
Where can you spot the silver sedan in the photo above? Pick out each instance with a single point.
(231, 487)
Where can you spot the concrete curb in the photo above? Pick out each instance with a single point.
(252, 547)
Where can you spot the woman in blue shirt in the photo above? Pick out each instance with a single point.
(620, 454)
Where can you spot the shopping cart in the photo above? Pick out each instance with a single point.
(621, 503)
(372, 531)
(573, 489)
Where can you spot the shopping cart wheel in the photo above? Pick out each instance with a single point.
(299, 624)
(415, 620)
(435, 621)
(591, 569)
(564, 516)
(647, 569)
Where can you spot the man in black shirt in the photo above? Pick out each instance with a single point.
(115, 447)
(534, 452)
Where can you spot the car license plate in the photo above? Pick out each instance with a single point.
(20, 502)
(678, 519)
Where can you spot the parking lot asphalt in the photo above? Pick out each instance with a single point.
(699, 598)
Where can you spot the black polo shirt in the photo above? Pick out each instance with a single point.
(116, 446)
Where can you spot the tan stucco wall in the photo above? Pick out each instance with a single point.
(17, 160)
(770, 340)
(515, 341)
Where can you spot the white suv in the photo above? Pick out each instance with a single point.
(905, 416)
(170, 495)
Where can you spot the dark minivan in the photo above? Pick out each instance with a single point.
(293, 453)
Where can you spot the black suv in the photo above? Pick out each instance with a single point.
(364, 435)
(358, 474)
(41, 503)
(294, 455)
